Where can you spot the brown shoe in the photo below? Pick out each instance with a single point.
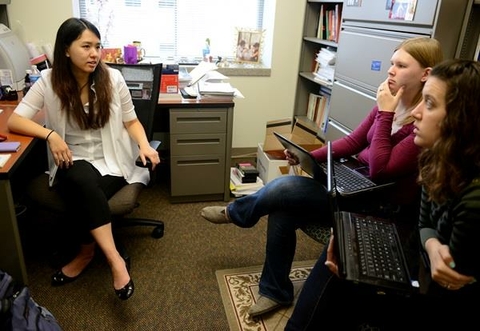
(215, 214)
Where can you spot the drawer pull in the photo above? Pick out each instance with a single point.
(197, 162)
(216, 119)
(198, 141)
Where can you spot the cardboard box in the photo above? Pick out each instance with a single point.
(268, 167)
(299, 133)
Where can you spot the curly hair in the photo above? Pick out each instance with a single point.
(454, 160)
(65, 85)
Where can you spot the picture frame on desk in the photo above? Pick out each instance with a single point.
(249, 45)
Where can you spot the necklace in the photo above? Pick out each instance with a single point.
(83, 86)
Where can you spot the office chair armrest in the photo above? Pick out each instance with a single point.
(155, 144)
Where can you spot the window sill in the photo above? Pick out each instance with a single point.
(245, 71)
(227, 68)
(238, 69)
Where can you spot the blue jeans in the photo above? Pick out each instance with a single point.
(289, 202)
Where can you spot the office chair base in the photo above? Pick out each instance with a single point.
(157, 232)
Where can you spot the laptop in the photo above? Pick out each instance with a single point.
(368, 248)
(351, 175)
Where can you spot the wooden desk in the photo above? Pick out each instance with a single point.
(200, 133)
(11, 252)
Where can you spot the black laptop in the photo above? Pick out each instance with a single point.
(351, 175)
(368, 248)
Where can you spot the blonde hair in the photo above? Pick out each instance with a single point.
(427, 52)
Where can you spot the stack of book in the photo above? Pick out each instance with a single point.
(247, 172)
(239, 188)
(325, 65)
(216, 89)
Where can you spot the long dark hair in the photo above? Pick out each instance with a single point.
(454, 160)
(65, 85)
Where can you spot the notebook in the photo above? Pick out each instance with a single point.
(368, 248)
(10, 146)
(351, 175)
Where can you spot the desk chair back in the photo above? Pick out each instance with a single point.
(143, 80)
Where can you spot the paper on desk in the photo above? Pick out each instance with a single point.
(214, 77)
(4, 158)
(216, 88)
(200, 70)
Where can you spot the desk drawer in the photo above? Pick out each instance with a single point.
(204, 120)
(196, 144)
(197, 175)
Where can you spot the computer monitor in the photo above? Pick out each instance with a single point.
(13, 56)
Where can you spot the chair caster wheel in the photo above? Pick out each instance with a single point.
(158, 232)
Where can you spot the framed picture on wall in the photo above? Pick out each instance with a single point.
(248, 45)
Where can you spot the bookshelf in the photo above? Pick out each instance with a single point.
(318, 14)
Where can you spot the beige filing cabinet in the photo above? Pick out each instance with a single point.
(200, 150)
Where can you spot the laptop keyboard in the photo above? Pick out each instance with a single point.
(348, 180)
(378, 255)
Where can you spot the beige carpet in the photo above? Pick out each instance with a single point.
(239, 290)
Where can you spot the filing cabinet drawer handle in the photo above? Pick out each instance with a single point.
(198, 141)
(197, 162)
(198, 119)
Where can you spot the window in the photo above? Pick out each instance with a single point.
(173, 29)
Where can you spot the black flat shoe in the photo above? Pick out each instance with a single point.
(125, 292)
(59, 278)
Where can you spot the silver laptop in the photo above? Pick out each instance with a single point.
(351, 175)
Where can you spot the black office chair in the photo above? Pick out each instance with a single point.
(144, 84)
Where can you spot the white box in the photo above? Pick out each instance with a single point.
(267, 167)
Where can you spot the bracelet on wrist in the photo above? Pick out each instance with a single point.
(48, 135)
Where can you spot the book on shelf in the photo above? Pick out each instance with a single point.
(323, 120)
(325, 65)
(321, 25)
(329, 21)
(316, 107)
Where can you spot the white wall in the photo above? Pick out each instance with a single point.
(266, 98)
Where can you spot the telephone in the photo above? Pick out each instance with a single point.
(8, 93)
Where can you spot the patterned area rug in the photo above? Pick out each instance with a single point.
(239, 290)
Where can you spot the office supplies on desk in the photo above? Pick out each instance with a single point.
(4, 158)
(220, 89)
(200, 70)
(9, 146)
(189, 92)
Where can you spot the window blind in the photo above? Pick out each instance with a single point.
(174, 28)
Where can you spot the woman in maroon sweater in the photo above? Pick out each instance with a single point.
(383, 142)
